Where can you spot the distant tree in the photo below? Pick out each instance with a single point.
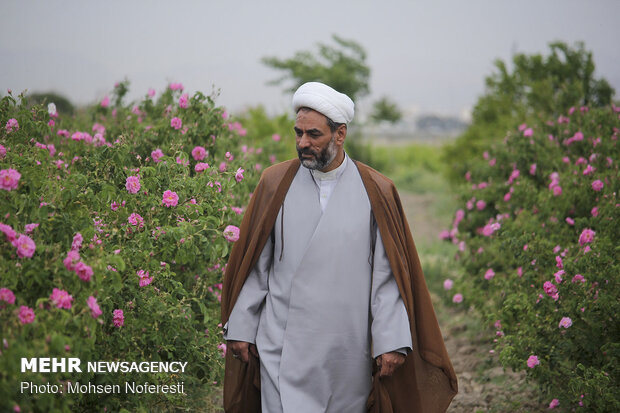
(63, 104)
(538, 87)
(385, 109)
(342, 67)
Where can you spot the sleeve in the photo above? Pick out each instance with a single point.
(390, 324)
(243, 321)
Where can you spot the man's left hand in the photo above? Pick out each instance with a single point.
(389, 362)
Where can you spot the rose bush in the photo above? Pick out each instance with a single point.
(114, 240)
(538, 238)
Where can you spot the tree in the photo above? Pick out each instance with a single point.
(538, 88)
(342, 67)
(385, 109)
(63, 105)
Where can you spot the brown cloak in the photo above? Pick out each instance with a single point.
(426, 382)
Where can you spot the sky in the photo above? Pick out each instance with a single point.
(428, 56)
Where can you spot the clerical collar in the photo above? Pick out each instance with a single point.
(332, 175)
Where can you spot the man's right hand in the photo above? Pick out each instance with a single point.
(242, 350)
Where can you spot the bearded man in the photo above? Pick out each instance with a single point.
(324, 301)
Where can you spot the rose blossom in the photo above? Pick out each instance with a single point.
(183, 101)
(76, 244)
(489, 274)
(61, 298)
(199, 153)
(447, 284)
(551, 290)
(2, 152)
(532, 361)
(119, 318)
(95, 311)
(132, 184)
(70, 262)
(83, 271)
(144, 278)
(7, 295)
(458, 298)
(105, 102)
(25, 246)
(239, 174)
(231, 233)
(25, 315)
(565, 322)
(170, 198)
(9, 179)
(554, 403)
(157, 154)
(136, 220)
(597, 185)
(587, 236)
(578, 278)
(176, 123)
(201, 166)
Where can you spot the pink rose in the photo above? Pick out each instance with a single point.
(239, 174)
(25, 315)
(170, 198)
(105, 102)
(275, 137)
(144, 278)
(447, 284)
(133, 184)
(458, 298)
(596, 185)
(565, 322)
(95, 311)
(231, 233)
(7, 295)
(76, 244)
(119, 318)
(176, 123)
(532, 361)
(587, 236)
(554, 403)
(201, 166)
(25, 246)
(578, 278)
(489, 274)
(199, 153)
(480, 205)
(9, 179)
(176, 86)
(183, 101)
(30, 227)
(2, 152)
(11, 125)
(85, 272)
(70, 262)
(136, 220)
(157, 154)
(61, 298)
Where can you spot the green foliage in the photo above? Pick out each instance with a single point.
(74, 183)
(537, 88)
(342, 67)
(385, 109)
(528, 262)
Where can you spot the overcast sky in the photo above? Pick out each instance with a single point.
(427, 55)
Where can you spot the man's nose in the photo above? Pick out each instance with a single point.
(304, 141)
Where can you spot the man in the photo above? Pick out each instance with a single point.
(325, 279)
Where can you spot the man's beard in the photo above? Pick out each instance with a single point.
(321, 160)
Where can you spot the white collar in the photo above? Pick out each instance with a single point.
(332, 175)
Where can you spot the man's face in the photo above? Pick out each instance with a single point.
(316, 146)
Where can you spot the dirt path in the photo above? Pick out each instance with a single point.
(484, 386)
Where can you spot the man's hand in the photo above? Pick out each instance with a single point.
(389, 362)
(242, 350)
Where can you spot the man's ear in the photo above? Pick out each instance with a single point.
(341, 134)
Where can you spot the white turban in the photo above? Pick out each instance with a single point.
(322, 98)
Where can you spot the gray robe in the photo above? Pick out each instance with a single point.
(315, 307)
